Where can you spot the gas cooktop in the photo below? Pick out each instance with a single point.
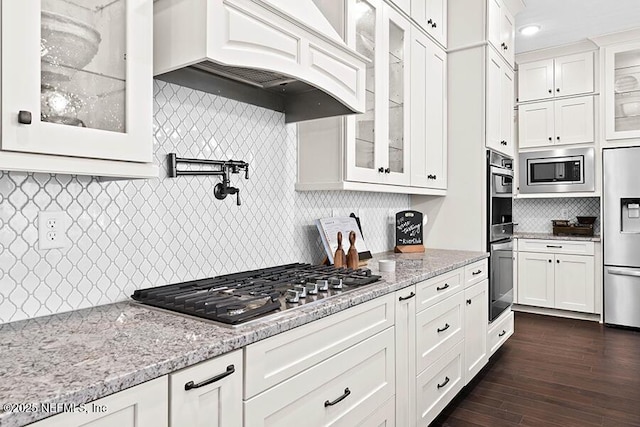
(237, 298)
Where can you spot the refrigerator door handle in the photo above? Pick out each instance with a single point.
(623, 272)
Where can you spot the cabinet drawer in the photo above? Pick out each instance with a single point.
(476, 273)
(385, 416)
(439, 384)
(342, 390)
(439, 329)
(438, 288)
(500, 331)
(575, 247)
(218, 403)
(273, 360)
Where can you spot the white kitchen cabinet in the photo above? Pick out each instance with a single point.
(208, 394)
(499, 331)
(145, 405)
(342, 390)
(431, 15)
(622, 90)
(428, 113)
(500, 29)
(499, 105)
(405, 325)
(475, 328)
(81, 104)
(559, 122)
(555, 77)
(384, 416)
(374, 151)
(561, 275)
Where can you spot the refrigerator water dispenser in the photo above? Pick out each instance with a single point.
(630, 210)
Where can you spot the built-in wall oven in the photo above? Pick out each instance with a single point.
(557, 171)
(500, 232)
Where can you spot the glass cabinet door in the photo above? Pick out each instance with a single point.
(622, 87)
(79, 83)
(398, 37)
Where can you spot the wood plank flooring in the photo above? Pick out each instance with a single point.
(555, 372)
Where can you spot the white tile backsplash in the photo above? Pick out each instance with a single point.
(535, 215)
(132, 234)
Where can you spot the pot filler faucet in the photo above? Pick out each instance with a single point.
(226, 168)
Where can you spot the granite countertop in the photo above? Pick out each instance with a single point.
(551, 236)
(83, 355)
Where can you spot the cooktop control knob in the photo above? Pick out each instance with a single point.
(312, 288)
(292, 296)
(323, 285)
(336, 283)
(365, 272)
(302, 290)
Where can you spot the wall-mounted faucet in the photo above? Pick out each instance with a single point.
(227, 167)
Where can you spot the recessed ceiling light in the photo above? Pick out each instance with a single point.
(529, 30)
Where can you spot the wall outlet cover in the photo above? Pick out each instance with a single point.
(52, 230)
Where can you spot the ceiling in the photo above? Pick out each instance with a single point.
(567, 21)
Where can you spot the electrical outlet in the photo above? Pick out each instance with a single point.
(52, 230)
(564, 213)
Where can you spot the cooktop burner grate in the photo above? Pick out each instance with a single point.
(237, 298)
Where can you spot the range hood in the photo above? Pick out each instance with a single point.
(279, 54)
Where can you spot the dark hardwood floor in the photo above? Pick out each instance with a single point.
(555, 372)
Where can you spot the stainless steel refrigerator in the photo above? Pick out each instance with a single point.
(621, 236)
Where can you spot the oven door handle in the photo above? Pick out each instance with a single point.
(501, 171)
(619, 272)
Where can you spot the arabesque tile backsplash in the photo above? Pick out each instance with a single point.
(131, 234)
(535, 215)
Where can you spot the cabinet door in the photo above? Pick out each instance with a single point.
(535, 80)
(144, 405)
(397, 100)
(507, 48)
(475, 329)
(216, 404)
(536, 279)
(506, 111)
(81, 78)
(574, 74)
(536, 125)
(405, 323)
(575, 283)
(622, 91)
(432, 16)
(428, 113)
(494, 20)
(574, 120)
(494, 101)
(367, 156)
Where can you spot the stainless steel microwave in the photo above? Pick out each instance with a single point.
(557, 171)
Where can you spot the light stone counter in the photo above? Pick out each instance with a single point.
(84, 355)
(551, 236)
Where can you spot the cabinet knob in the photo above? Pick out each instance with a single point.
(468, 302)
(433, 25)
(504, 46)
(558, 261)
(557, 89)
(558, 138)
(550, 139)
(380, 170)
(430, 21)
(24, 117)
(387, 170)
(550, 91)
(549, 260)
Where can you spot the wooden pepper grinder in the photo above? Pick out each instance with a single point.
(339, 259)
(352, 255)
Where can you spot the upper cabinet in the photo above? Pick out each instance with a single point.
(556, 77)
(77, 88)
(622, 91)
(499, 110)
(431, 15)
(500, 29)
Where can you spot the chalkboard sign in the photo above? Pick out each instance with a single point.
(409, 231)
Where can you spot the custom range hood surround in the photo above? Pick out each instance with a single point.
(279, 54)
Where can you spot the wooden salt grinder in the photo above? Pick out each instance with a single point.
(339, 259)
(352, 255)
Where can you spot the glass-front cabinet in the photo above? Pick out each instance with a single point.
(622, 91)
(77, 78)
(377, 141)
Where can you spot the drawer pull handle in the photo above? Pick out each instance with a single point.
(475, 273)
(446, 286)
(411, 295)
(501, 334)
(446, 326)
(446, 381)
(347, 392)
(230, 370)
(555, 246)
